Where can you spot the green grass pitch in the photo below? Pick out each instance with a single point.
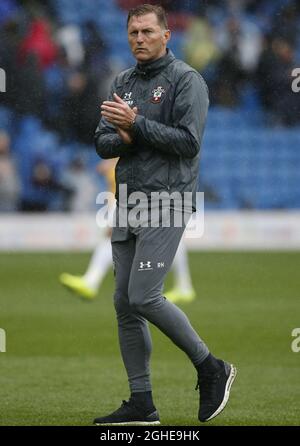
(63, 367)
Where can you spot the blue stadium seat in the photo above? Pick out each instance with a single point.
(250, 164)
(6, 119)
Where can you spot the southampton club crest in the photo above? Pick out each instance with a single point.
(157, 95)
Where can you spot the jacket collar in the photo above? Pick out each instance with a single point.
(150, 69)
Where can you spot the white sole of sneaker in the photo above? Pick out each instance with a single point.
(231, 378)
(131, 423)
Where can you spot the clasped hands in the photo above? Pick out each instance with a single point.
(121, 116)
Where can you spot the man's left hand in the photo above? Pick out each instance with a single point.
(118, 113)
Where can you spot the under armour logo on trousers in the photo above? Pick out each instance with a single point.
(145, 266)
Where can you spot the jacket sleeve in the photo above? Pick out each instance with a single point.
(189, 113)
(107, 141)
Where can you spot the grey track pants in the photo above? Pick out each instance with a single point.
(142, 257)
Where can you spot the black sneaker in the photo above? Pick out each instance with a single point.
(214, 390)
(129, 414)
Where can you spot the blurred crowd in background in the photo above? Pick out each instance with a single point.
(60, 57)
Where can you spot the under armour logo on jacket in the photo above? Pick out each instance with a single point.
(128, 98)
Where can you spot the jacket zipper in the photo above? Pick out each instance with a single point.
(168, 185)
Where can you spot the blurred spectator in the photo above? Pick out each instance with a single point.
(96, 62)
(200, 49)
(81, 109)
(25, 90)
(229, 78)
(240, 44)
(244, 38)
(78, 179)
(7, 9)
(44, 188)
(286, 24)
(274, 81)
(10, 38)
(30, 93)
(9, 181)
(94, 44)
(69, 37)
(39, 42)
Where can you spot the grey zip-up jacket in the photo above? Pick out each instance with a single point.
(172, 101)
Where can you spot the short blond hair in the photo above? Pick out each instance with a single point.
(148, 9)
